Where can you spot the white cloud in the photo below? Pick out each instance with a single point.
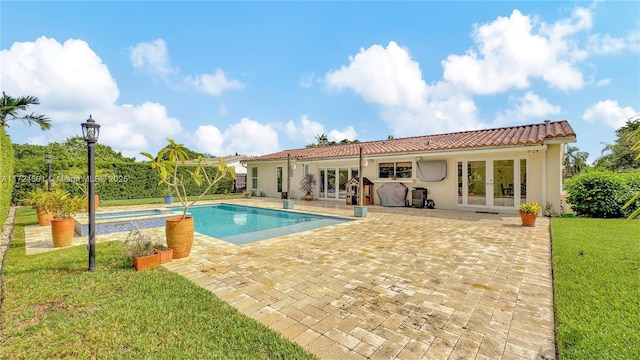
(603, 82)
(72, 82)
(386, 76)
(247, 137)
(152, 57)
(213, 84)
(390, 78)
(348, 133)
(306, 130)
(67, 77)
(530, 106)
(608, 44)
(306, 80)
(610, 113)
(510, 51)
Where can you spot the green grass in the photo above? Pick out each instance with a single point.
(597, 288)
(54, 308)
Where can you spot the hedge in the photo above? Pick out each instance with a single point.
(602, 194)
(6, 174)
(114, 181)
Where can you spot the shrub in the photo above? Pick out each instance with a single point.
(602, 194)
(6, 174)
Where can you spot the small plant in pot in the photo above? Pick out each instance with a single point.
(307, 185)
(64, 206)
(40, 200)
(529, 212)
(171, 166)
(141, 248)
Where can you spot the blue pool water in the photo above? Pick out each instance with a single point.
(239, 224)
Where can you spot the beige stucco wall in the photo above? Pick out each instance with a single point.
(544, 172)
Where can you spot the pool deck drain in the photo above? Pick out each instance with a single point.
(401, 283)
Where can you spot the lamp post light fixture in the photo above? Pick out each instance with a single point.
(90, 132)
(48, 160)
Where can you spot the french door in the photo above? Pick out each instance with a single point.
(495, 183)
(333, 181)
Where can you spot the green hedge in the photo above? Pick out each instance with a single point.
(602, 194)
(114, 181)
(6, 174)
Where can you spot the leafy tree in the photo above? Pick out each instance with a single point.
(635, 137)
(73, 149)
(574, 160)
(11, 107)
(323, 140)
(620, 156)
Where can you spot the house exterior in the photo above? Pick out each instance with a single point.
(490, 169)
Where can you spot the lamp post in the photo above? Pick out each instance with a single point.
(48, 160)
(90, 131)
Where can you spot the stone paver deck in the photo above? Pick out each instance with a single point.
(399, 284)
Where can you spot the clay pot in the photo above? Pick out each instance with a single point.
(528, 219)
(179, 233)
(62, 231)
(44, 217)
(146, 262)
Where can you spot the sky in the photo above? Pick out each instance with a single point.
(259, 77)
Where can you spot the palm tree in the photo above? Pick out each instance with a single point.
(574, 160)
(10, 107)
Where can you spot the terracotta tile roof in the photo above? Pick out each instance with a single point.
(532, 134)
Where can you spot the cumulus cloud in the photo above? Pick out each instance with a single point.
(152, 57)
(65, 77)
(390, 78)
(511, 50)
(530, 106)
(603, 82)
(245, 137)
(214, 84)
(348, 133)
(610, 113)
(306, 130)
(72, 82)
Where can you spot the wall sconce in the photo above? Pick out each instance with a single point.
(419, 158)
(365, 162)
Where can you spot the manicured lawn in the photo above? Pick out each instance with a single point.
(597, 288)
(128, 202)
(54, 308)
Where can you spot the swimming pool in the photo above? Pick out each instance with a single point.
(239, 224)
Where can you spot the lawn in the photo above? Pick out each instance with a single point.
(54, 308)
(597, 288)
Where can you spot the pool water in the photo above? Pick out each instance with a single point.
(239, 224)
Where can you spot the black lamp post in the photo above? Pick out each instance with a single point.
(48, 160)
(90, 131)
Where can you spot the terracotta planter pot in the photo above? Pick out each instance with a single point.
(528, 219)
(95, 205)
(44, 217)
(308, 197)
(146, 262)
(166, 256)
(62, 231)
(179, 234)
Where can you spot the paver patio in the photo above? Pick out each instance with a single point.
(401, 283)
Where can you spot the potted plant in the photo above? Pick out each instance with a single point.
(168, 196)
(64, 207)
(141, 249)
(529, 212)
(307, 185)
(167, 163)
(40, 200)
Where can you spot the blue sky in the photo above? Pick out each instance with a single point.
(259, 77)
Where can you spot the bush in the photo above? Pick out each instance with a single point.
(602, 194)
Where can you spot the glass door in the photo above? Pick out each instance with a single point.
(331, 183)
(492, 183)
(477, 183)
(504, 183)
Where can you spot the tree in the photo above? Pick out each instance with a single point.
(620, 156)
(11, 107)
(634, 136)
(574, 160)
(323, 140)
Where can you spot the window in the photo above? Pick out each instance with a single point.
(254, 178)
(279, 179)
(401, 169)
